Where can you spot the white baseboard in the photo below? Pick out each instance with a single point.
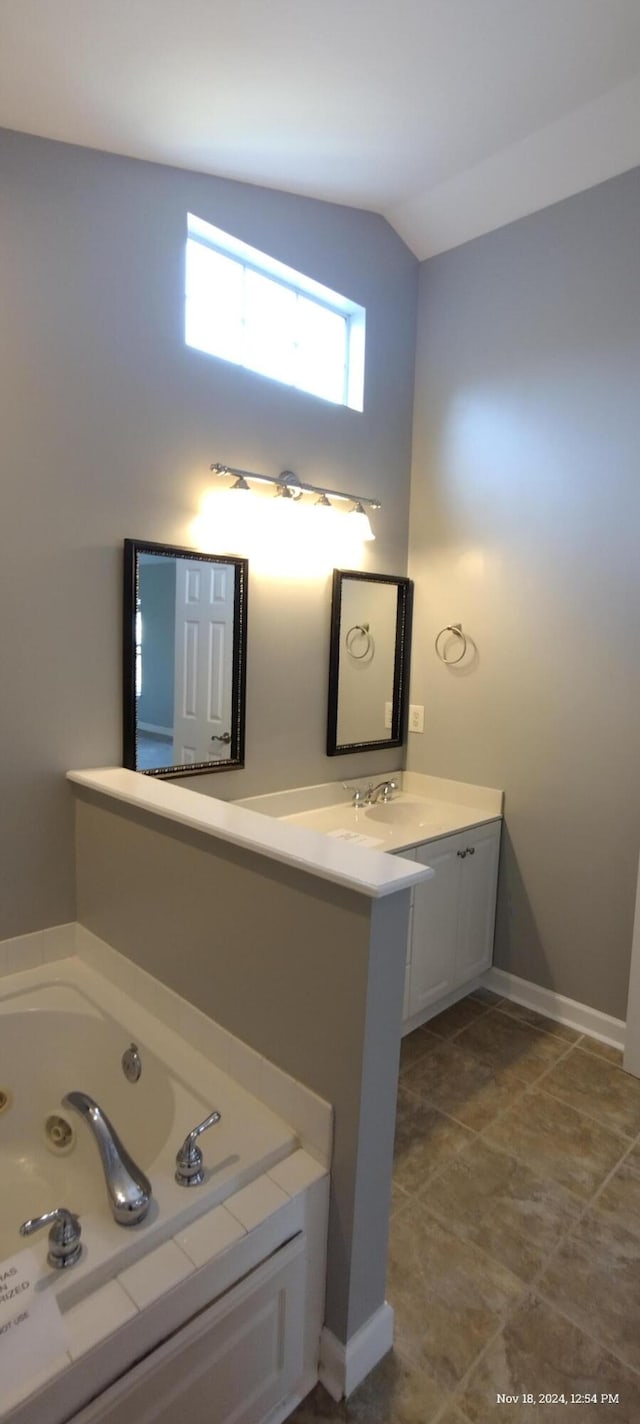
(343, 1367)
(556, 1006)
(156, 730)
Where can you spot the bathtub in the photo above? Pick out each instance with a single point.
(58, 1028)
(65, 1027)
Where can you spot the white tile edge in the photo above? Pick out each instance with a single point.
(371, 873)
(556, 1006)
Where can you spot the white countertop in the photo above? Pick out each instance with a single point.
(424, 809)
(356, 867)
(384, 826)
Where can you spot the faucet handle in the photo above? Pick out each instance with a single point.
(65, 1247)
(360, 797)
(189, 1170)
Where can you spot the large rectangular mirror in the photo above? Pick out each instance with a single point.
(368, 661)
(185, 635)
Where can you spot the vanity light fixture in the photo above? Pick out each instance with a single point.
(289, 486)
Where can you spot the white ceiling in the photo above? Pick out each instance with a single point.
(450, 117)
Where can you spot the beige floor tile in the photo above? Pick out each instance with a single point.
(448, 1296)
(540, 1352)
(425, 1140)
(399, 1198)
(495, 1201)
(459, 1084)
(594, 1279)
(620, 1200)
(539, 1021)
(394, 1393)
(599, 1089)
(414, 1046)
(457, 1017)
(633, 1158)
(559, 1142)
(602, 1050)
(514, 1049)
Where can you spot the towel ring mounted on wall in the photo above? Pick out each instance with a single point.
(456, 630)
(360, 638)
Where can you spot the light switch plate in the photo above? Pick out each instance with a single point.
(388, 715)
(416, 718)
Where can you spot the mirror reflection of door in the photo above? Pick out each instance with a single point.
(185, 620)
(203, 661)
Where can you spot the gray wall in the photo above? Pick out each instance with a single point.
(525, 525)
(157, 585)
(109, 424)
(309, 974)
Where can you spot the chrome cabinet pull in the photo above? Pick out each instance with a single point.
(471, 850)
(461, 853)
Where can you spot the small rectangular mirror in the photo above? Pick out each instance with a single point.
(185, 636)
(368, 661)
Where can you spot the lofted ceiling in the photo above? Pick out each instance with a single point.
(449, 117)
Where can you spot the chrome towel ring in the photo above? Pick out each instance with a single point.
(358, 641)
(456, 630)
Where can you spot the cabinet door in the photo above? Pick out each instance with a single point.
(435, 923)
(478, 901)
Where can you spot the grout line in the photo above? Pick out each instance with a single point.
(582, 1112)
(531, 1287)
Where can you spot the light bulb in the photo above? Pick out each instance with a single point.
(359, 518)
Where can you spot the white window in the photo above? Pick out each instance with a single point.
(248, 308)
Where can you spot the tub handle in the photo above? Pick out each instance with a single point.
(189, 1169)
(65, 1247)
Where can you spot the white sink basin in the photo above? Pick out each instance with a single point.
(404, 812)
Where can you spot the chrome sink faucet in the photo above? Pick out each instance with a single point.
(382, 792)
(128, 1189)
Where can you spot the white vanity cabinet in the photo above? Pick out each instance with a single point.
(452, 919)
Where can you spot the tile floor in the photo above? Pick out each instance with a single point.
(514, 1253)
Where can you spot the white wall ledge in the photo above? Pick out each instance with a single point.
(369, 872)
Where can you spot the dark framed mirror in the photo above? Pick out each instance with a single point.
(368, 661)
(184, 673)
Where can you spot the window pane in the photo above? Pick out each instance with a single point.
(270, 313)
(321, 351)
(213, 320)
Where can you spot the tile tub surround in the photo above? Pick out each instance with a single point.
(132, 1311)
(131, 1315)
(513, 1262)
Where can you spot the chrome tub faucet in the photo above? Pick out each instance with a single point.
(128, 1189)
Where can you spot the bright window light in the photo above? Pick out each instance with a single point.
(246, 307)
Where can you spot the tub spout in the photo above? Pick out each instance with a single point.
(128, 1189)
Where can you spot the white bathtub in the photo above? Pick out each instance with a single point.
(54, 1038)
(218, 1294)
